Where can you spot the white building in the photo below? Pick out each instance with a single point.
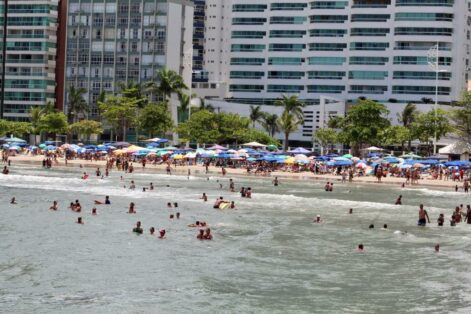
(257, 50)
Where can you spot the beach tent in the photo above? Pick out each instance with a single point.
(299, 150)
(254, 144)
(217, 147)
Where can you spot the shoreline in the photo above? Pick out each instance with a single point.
(198, 170)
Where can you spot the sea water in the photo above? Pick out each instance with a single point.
(267, 256)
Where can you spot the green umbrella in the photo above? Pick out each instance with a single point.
(349, 156)
(42, 145)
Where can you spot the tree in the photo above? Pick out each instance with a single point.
(134, 90)
(394, 135)
(288, 123)
(406, 118)
(254, 135)
(326, 138)
(269, 123)
(77, 106)
(431, 125)
(256, 114)
(291, 105)
(363, 123)
(15, 128)
(155, 119)
(169, 82)
(201, 128)
(461, 118)
(87, 128)
(53, 123)
(120, 112)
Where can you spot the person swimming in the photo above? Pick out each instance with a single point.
(106, 201)
(361, 248)
(200, 236)
(385, 226)
(441, 220)
(162, 234)
(151, 186)
(177, 215)
(54, 206)
(175, 205)
(132, 209)
(138, 229)
(169, 205)
(207, 234)
(437, 248)
(242, 192)
(399, 200)
(77, 206)
(371, 226)
(13, 200)
(318, 219)
(204, 197)
(196, 224)
(94, 211)
(350, 211)
(171, 216)
(232, 206)
(218, 202)
(133, 185)
(276, 182)
(85, 176)
(143, 189)
(152, 230)
(248, 192)
(80, 221)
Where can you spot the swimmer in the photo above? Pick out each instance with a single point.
(350, 211)
(162, 234)
(77, 206)
(231, 185)
(54, 206)
(152, 230)
(143, 189)
(175, 205)
(177, 215)
(248, 192)
(72, 206)
(204, 197)
(85, 176)
(106, 201)
(169, 205)
(437, 248)
(200, 236)
(452, 221)
(441, 220)
(138, 229)
(151, 187)
(423, 216)
(218, 202)
(318, 219)
(208, 235)
(5, 170)
(360, 248)
(371, 226)
(197, 224)
(94, 211)
(13, 200)
(385, 226)
(133, 185)
(171, 216)
(132, 209)
(232, 206)
(242, 192)
(327, 187)
(399, 200)
(80, 221)
(276, 182)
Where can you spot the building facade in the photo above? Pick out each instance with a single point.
(344, 49)
(122, 41)
(31, 51)
(199, 75)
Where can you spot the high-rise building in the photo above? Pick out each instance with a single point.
(379, 49)
(31, 52)
(123, 41)
(199, 75)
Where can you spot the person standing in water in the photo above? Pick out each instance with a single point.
(399, 200)
(276, 182)
(423, 216)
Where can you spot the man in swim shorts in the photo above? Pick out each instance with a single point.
(423, 216)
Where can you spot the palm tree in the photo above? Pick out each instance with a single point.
(292, 105)
(77, 104)
(169, 82)
(134, 90)
(36, 113)
(407, 118)
(288, 123)
(269, 123)
(256, 114)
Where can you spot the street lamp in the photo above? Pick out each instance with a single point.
(433, 62)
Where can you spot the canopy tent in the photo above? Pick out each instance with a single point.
(299, 150)
(216, 147)
(458, 148)
(254, 144)
(12, 140)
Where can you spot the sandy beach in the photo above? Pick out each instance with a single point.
(199, 170)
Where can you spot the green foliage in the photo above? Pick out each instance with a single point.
(326, 138)
(288, 123)
(394, 135)
(461, 118)
(291, 105)
(155, 119)
(431, 124)
(254, 135)
(256, 114)
(209, 127)
(363, 123)
(86, 127)
(119, 112)
(169, 82)
(135, 91)
(77, 106)
(15, 128)
(270, 123)
(53, 123)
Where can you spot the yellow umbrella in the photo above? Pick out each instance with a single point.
(178, 157)
(290, 160)
(133, 149)
(118, 152)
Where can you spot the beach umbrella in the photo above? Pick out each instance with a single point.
(410, 156)
(14, 147)
(348, 156)
(405, 166)
(232, 151)
(300, 157)
(254, 144)
(14, 140)
(217, 147)
(342, 163)
(361, 165)
(120, 144)
(190, 155)
(152, 140)
(272, 147)
(373, 149)
(355, 159)
(134, 148)
(42, 146)
(290, 160)
(341, 159)
(419, 165)
(299, 150)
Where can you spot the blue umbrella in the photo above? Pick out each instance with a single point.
(299, 150)
(342, 163)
